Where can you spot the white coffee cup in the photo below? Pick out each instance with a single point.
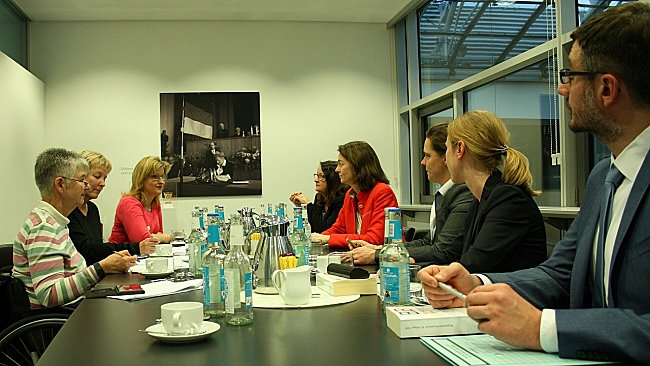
(164, 249)
(184, 317)
(293, 285)
(157, 264)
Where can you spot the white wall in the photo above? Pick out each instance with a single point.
(22, 119)
(320, 84)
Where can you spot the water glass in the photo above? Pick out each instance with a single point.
(415, 285)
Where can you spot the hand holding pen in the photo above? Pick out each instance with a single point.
(447, 286)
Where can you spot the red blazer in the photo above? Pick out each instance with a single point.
(371, 205)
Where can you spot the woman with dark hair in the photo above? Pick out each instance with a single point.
(362, 215)
(329, 197)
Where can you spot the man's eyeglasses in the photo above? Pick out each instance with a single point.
(566, 75)
(320, 177)
(157, 177)
(85, 184)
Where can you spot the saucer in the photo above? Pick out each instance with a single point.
(161, 255)
(153, 275)
(158, 331)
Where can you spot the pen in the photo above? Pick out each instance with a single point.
(453, 291)
(351, 243)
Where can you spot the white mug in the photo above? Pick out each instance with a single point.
(157, 264)
(164, 249)
(293, 285)
(185, 317)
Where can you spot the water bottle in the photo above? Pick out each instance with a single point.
(214, 297)
(314, 249)
(194, 243)
(239, 277)
(393, 262)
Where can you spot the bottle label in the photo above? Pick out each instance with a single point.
(233, 295)
(248, 289)
(394, 230)
(222, 286)
(393, 277)
(297, 222)
(206, 286)
(213, 234)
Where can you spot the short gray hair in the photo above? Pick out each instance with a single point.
(53, 163)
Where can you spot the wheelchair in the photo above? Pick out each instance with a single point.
(27, 333)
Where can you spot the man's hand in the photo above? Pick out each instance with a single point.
(505, 315)
(148, 245)
(454, 275)
(363, 252)
(118, 262)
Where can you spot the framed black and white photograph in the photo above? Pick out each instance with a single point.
(212, 142)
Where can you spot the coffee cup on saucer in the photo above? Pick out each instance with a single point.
(157, 264)
(163, 249)
(182, 318)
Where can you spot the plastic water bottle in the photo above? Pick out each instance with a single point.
(393, 262)
(214, 295)
(239, 277)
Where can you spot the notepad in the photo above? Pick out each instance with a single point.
(483, 349)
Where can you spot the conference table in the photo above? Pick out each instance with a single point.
(105, 332)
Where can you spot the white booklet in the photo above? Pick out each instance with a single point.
(483, 349)
(162, 288)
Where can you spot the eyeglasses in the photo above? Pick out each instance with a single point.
(566, 75)
(320, 177)
(157, 177)
(85, 184)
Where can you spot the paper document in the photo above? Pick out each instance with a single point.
(484, 349)
(162, 288)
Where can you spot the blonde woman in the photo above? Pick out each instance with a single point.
(138, 215)
(85, 223)
(504, 230)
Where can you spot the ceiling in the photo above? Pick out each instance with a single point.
(365, 11)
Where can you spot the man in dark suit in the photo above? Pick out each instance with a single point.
(591, 298)
(446, 220)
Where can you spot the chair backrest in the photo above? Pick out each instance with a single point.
(14, 302)
(6, 257)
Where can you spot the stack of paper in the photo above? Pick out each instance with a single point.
(486, 350)
(163, 288)
(339, 286)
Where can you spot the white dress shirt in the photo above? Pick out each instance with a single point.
(432, 218)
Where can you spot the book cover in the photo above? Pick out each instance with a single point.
(339, 286)
(420, 321)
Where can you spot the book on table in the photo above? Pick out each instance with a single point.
(420, 321)
(339, 286)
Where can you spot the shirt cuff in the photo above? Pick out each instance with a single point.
(548, 331)
(485, 279)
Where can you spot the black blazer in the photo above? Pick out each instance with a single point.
(450, 221)
(503, 232)
(321, 220)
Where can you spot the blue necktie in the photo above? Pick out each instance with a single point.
(612, 181)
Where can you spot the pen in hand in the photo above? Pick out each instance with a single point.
(453, 291)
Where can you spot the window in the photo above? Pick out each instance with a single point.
(458, 39)
(13, 33)
(526, 104)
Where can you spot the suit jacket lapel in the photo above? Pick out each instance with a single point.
(639, 189)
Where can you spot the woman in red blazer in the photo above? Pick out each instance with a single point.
(362, 215)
